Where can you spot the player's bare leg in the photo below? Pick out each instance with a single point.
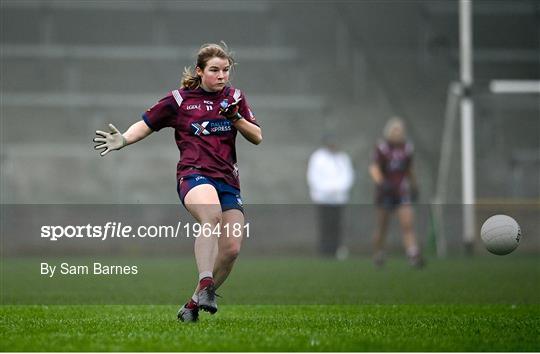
(203, 203)
(406, 221)
(232, 226)
(379, 236)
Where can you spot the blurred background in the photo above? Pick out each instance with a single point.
(307, 67)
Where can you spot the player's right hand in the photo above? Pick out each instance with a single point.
(229, 110)
(108, 141)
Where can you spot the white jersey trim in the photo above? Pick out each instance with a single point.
(237, 94)
(178, 98)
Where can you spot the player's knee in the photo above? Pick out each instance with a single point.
(212, 218)
(231, 252)
(407, 228)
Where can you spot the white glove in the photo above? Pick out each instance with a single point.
(113, 140)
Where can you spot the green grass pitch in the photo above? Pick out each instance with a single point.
(479, 304)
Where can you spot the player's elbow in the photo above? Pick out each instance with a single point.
(257, 138)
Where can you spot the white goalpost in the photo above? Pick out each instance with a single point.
(467, 123)
(514, 86)
(459, 95)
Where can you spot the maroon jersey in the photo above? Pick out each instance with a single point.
(394, 162)
(205, 138)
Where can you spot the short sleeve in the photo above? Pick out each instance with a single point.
(162, 114)
(245, 110)
(378, 156)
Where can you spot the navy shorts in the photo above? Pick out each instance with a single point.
(229, 197)
(390, 201)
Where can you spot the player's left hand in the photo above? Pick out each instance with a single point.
(229, 110)
(108, 141)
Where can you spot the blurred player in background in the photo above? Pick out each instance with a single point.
(206, 114)
(330, 176)
(396, 189)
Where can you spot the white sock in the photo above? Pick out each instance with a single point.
(206, 274)
(195, 297)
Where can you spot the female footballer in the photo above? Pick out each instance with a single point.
(206, 114)
(392, 173)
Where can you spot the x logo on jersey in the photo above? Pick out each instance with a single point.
(200, 128)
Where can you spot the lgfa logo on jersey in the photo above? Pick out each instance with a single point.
(193, 106)
(211, 127)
